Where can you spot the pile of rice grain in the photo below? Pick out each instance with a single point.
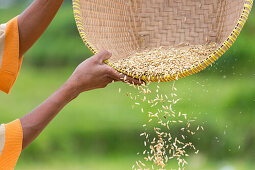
(162, 61)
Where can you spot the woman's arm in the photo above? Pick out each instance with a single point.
(38, 119)
(34, 21)
(89, 75)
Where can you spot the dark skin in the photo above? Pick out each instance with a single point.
(35, 20)
(89, 75)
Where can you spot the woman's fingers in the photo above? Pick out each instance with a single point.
(124, 78)
(102, 56)
(115, 75)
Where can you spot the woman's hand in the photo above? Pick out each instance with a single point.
(93, 73)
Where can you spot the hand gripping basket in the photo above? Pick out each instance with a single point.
(124, 26)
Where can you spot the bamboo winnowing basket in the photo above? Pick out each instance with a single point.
(125, 26)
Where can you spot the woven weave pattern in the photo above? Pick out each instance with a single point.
(126, 26)
(231, 11)
(168, 23)
(109, 25)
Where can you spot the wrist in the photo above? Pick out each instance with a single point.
(71, 90)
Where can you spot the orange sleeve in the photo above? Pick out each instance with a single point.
(11, 61)
(13, 145)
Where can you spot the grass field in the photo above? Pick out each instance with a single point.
(122, 162)
(99, 130)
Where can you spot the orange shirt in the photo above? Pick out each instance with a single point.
(9, 54)
(11, 135)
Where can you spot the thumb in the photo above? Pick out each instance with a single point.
(103, 55)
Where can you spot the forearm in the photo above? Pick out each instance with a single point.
(90, 74)
(38, 119)
(34, 21)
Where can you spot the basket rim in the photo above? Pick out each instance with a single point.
(222, 48)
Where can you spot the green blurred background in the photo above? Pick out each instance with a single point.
(99, 130)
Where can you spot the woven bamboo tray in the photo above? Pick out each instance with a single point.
(124, 26)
